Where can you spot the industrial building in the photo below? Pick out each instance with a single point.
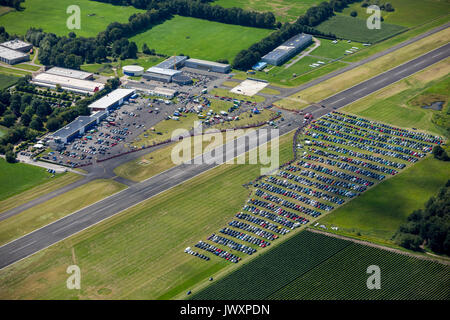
(17, 45)
(160, 74)
(112, 100)
(71, 73)
(163, 92)
(288, 49)
(72, 84)
(174, 62)
(133, 70)
(182, 79)
(10, 56)
(207, 65)
(77, 127)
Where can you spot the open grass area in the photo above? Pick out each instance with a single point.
(139, 253)
(199, 38)
(364, 72)
(56, 208)
(315, 266)
(407, 13)
(377, 214)
(51, 17)
(13, 72)
(7, 81)
(26, 66)
(401, 103)
(353, 28)
(24, 176)
(106, 69)
(284, 10)
(51, 185)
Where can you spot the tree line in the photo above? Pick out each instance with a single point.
(12, 3)
(428, 227)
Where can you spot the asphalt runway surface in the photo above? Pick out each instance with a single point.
(106, 208)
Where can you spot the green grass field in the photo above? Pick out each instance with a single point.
(51, 16)
(139, 253)
(56, 208)
(355, 29)
(50, 185)
(407, 13)
(199, 38)
(377, 214)
(24, 176)
(315, 266)
(284, 10)
(7, 81)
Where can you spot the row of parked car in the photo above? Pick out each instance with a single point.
(245, 237)
(293, 186)
(357, 162)
(356, 154)
(329, 187)
(271, 216)
(327, 135)
(196, 254)
(381, 127)
(258, 231)
(263, 223)
(372, 135)
(277, 209)
(232, 244)
(218, 252)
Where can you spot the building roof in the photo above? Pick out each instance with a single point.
(11, 54)
(73, 127)
(133, 68)
(77, 74)
(166, 72)
(111, 98)
(15, 44)
(170, 62)
(209, 63)
(289, 45)
(67, 83)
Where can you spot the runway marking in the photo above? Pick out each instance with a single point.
(20, 248)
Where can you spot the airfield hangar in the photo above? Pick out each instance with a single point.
(288, 49)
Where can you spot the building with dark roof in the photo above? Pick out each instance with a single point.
(207, 65)
(160, 74)
(288, 49)
(78, 127)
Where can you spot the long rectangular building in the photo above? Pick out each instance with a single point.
(71, 84)
(78, 126)
(287, 50)
(207, 65)
(112, 100)
(18, 45)
(160, 74)
(71, 73)
(10, 56)
(172, 62)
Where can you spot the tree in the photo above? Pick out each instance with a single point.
(353, 13)
(9, 119)
(10, 156)
(36, 123)
(409, 241)
(440, 154)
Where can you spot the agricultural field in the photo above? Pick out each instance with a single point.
(308, 265)
(56, 208)
(25, 177)
(284, 10)
(408, 13)
(201, 39)
(119, 257)
(353, 28)
(51, 17)
(7, 81)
